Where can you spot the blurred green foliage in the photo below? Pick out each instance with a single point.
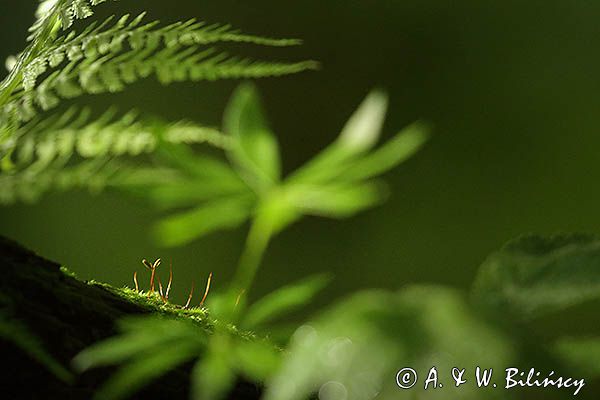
(354, 348)
(533, 276)
(510, 87)
(512, 90)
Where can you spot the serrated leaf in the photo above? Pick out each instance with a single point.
(255, 150)
(534, 275)
(284, 299)
(182, 228)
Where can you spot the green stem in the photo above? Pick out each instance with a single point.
(257, 242)
(15, 77)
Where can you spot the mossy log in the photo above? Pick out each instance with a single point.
(66, 315)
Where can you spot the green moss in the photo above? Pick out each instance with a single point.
(67, 272)
(154, 304)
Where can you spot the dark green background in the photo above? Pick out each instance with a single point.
(511, 86)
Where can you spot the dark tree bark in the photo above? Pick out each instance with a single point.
(66, 315)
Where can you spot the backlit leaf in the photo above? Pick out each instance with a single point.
(359, 134)
(182, 228)
(284, 299)
(255, 150)
(398, 149)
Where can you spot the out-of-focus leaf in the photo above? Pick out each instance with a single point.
(140, 335)
(534, 275)
(364, 126)
(213, 376)
(277, 211)
(359, 345)
(204, 168)
(580, 354)
(225, 213)
(359, 135)
(257, 360)
(452, 335)
(191, 192)
(140, 371)
(340, 346)
(255, 150)
(147, 348)
(201, 178)
(329, 185)
(20, 336)
(284, 299)
(397, 150)
(336, 200)
(116, 350)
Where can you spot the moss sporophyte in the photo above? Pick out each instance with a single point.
(164, 294)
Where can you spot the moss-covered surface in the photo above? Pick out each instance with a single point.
(152, 302)
(66, 315)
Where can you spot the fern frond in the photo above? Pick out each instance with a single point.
(41, 142)
(28, 185)
(108, 56)
(72, 149)
(52, 13)
(92, 174)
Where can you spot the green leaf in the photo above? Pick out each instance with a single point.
(189, 193)
(256, 360)
(359, 344)
(213, 376)
(116, 350)
(535, 275)
(335, 200)
(140, 335)
(580, 354)
(142, 370)
(201, 167)
(205, 178)
(364, 126)
(182, 228)
(255, 150)
(359, 135)
(284, 299)
(406, 143)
